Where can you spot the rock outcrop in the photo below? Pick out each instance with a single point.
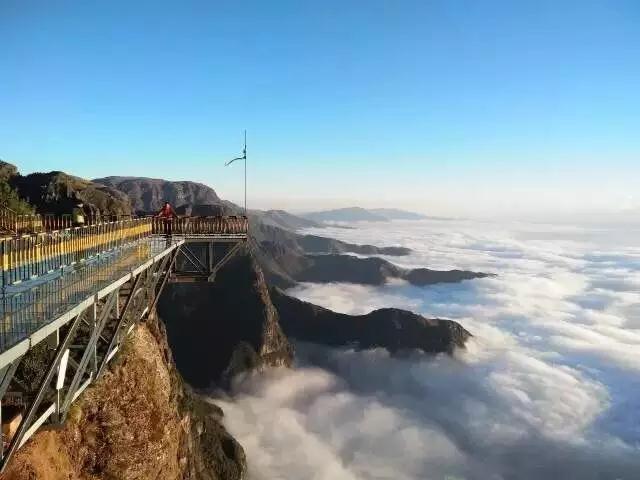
(219, 329)
(7, 171)
(138, 422)
(389, 328)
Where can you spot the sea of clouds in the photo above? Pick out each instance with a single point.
(548, 387)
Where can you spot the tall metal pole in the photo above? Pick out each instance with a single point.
(243, 157)
(245, 173)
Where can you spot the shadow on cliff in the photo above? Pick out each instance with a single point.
(219, 329)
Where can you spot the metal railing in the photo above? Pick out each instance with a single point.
(201, 226)
(16, 223)
(25, 311)
(53, 222)
(20, 224)
(23, 258)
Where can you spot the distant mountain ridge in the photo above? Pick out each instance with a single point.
(398, 214)
(359, 214)
(283, 219)
(389, 328)
(149, 194)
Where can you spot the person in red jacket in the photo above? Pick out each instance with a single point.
(167, 214)
(166, 211)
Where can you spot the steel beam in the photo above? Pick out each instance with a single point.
(193, 259)
(223, 261)
(89, 351)
(153, 279)
(19, 437)
(164, 280)
(150, 282)
(115, 337)
(7, 374)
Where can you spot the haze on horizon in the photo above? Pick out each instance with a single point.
(445, 108)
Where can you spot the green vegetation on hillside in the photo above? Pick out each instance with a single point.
(8, 195)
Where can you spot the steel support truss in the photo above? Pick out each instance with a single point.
(76, 353)
(198, 259)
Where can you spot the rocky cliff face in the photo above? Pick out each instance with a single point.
(148, 194)
(138, 422)
(217, 330)
(389, 328)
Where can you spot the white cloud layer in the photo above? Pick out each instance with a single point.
(549, 386)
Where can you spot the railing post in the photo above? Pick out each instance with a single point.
(5, 265)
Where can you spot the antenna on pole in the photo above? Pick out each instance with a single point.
(243, 157)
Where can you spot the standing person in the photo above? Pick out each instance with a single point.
(167, 214)
(77, 215)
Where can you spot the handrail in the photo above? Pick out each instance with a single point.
(8, 219)
(19, 224)
(201, 226)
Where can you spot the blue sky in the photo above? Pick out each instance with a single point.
(444, 106)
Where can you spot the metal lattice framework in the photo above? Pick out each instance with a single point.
(200, 260)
